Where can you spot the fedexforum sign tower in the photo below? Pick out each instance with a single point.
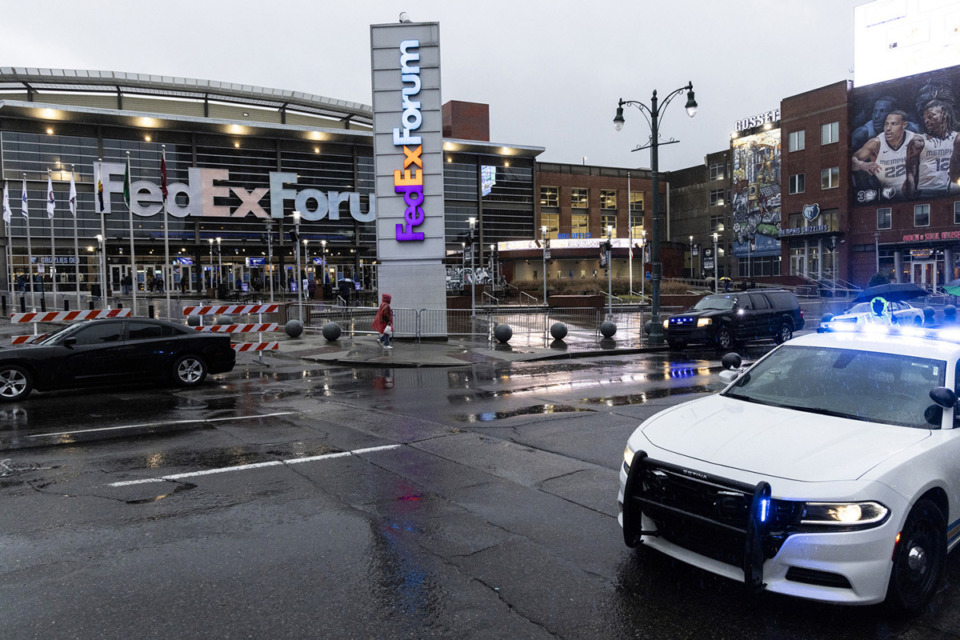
(408, 159)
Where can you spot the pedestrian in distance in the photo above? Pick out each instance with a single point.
(383, 322)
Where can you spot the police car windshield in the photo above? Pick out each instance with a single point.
(721, 303)
(849, 383)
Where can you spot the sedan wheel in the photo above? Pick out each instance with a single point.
(919, 559)
(15, 383)
(189, 371)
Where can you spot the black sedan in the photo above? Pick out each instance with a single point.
(111, 352)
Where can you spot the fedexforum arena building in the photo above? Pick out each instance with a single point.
(239, 161)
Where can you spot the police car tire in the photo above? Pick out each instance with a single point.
(919, 559)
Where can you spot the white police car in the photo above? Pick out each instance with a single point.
(830, 469)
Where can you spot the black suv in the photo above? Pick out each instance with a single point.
(725, 319)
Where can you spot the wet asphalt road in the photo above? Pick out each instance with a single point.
(298, 501)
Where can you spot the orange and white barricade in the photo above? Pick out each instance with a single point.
(259, 327)
(60, 316)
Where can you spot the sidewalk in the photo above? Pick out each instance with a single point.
(364, 350)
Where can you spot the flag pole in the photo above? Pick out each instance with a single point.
(26, 215)
(7, 223)
(51, 206)
(76, 242)
(630, 234)
(167, 271)
(101, 209)
(128, 198)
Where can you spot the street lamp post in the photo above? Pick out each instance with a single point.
(296, 279)
(103, 270)
(210, 240)
(219, 265)
(543, 239)
(691, 257)
(716, 265)
(473, 272)
(653, 111)
(270, 257)
(323, 264)
(643, 265)
(608, 247)
(306, 262)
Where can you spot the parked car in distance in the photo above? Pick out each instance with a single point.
(725, 319)
(827, 470)
(893, 312)
(111, 352)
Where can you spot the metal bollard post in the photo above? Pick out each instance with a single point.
(23, 304)
(66, 304)
(4, 305)
(91, 305)
(150, 311)
(43, 303)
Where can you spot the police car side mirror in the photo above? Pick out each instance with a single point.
(70, 343)
(944, 397)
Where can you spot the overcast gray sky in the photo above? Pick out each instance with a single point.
(551, 70)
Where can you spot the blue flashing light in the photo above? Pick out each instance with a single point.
(764, 509)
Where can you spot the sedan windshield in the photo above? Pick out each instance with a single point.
(721, 303)
(860, 385)
(55, 338)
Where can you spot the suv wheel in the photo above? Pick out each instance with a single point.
(784, 333)
(724, 338)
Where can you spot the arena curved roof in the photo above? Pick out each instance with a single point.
(35, 81)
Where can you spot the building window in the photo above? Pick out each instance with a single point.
(798, 140)
(716, 197)
(579, 198)
(830, 133)
(608, 199)
(884, 218)
(608, 220)
(579, 224)
(549, 197)
(716, 224)
(956, 213)
(716, 171)
(552, 222)
(830, 178)
(921, 215)
(797, 183)
(636, 202)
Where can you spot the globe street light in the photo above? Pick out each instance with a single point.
(323, 263)
(653, 113)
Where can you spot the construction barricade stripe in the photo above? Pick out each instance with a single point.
(231, 309)
(239, 328)
(256, 346)
(68, 316)
(27, 339)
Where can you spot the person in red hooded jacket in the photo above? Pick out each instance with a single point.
(383, 322)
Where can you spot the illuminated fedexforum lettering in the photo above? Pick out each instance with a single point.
(409, 180)
(195, 198)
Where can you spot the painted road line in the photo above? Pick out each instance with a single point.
(256, 465)
(148, 425)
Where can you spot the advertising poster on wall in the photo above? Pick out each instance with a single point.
(904, 141)
(756, 194)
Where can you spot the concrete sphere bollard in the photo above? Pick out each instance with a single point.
(503, 333)
(929, 315)
(293, 328)
(558, 330)
(193, 321)
(827, 317)
(950, 313)
(608, 329)
(225, 320)
(331, 331)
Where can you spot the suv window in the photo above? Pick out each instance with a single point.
(783, 300)
(744, 302)
(759, 301)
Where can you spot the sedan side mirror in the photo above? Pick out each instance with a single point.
(70, 342)
(944, 397)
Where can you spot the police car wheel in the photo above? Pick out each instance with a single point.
(919, 559)
(189, 371)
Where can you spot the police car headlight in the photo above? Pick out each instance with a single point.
(844, 514)
(704, 322)
(627, 457)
